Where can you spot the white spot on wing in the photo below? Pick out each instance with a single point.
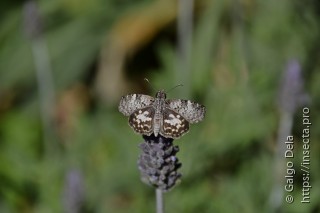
(144, 116)
(174, 121)
(190, 105)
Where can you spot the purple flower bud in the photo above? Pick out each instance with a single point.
(291, 94)
(32, 20)
(73, 192)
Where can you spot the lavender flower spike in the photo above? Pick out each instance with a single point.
(291, 94)
(158, 164)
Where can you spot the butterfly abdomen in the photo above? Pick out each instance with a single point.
(157, 123)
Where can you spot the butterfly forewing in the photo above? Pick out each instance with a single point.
(130, 103)
(174, 125)
(191, 111)
(141, 120)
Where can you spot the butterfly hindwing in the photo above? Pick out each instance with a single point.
(141, 120)
(174, 125)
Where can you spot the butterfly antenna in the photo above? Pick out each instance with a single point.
(147, 80)
(179, 85)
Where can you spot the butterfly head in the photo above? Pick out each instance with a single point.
(161, 94)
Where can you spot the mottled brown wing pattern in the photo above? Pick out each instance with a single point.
(191, 111)
(141, 120)
(173, 124)
(130, 103)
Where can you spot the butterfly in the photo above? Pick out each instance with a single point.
(157, 115)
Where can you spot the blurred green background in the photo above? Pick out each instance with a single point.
(64, 65)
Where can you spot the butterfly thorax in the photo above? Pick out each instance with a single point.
(159, 105)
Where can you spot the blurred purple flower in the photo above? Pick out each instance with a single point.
(32, 20)
(292, 94)
(73, 192)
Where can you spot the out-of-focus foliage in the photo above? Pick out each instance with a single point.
(102, 49)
